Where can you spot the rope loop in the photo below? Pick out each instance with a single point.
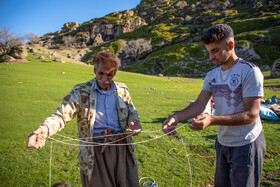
(148, 183)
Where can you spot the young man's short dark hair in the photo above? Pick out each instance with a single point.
(217, 33)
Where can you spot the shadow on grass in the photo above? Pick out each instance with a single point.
(212, 137)
(160, 120)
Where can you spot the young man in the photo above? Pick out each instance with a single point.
(104, 112)
(237, 89)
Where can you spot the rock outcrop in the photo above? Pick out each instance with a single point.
(275, 71)
(94, 32)
(247, 53)
(18, 52)
(6, 58)
(163, 36)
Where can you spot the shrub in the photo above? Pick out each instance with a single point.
(268, 53)
(274, 36)
(246, 25)
(254, 35)
(112, 19)
(114, 47)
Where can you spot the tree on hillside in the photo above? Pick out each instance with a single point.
(69, 41)
(8, 40)
(135, 48)
(32, 38)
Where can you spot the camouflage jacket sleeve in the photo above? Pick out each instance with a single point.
(66, 112)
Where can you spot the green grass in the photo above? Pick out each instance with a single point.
(31, 91)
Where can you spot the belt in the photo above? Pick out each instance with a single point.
(109, 136)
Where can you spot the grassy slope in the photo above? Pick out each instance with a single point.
(31, 91)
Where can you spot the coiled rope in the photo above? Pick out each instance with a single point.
(145, 184)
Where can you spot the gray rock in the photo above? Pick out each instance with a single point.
(247, 53)
(46, 61)
(6, 58)
(19, 52)
(32, 50)
(275, 71)
(59, 60)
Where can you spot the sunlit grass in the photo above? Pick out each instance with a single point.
(31, 91)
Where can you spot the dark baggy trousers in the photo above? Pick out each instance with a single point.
(113, 168)
(240, 166)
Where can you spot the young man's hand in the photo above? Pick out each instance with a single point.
(169, 125)
(200, 122)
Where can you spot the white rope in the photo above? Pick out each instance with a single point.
(188, 159)
(153, 184)
(93, 144)
(50, 177)
(106, 135)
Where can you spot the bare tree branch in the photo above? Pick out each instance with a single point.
(32, 38)
(8, 40)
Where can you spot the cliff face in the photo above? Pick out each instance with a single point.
(94, 32)
(163, 36)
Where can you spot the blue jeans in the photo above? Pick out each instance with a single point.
(240, 166)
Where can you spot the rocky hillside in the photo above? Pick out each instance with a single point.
(163, 36)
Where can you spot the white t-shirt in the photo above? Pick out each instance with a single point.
(228, 89)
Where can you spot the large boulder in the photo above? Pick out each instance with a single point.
(6, 58)
(59, 60)
(70, 26)
(18, 52)
(275, 71)
(32, 50)
(247, 53)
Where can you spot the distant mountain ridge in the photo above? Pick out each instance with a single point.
(163, 36)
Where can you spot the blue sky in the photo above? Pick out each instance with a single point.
(44, 16)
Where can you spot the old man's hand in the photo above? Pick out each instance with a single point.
(37, 138)
(134, 127)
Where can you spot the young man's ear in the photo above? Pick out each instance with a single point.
(230, 45)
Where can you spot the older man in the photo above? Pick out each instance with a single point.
(105, 113)
(237, 88)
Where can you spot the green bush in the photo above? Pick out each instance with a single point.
(252, 24)
(142, 32)
(268, 53)
(114, 47)
(274, 37)
(254, 35)
(112, 19)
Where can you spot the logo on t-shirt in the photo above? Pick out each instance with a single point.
(234, 81)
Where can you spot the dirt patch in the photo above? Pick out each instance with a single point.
(272, 88)
(17, 61)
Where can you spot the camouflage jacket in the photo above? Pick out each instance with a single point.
(81, 101)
